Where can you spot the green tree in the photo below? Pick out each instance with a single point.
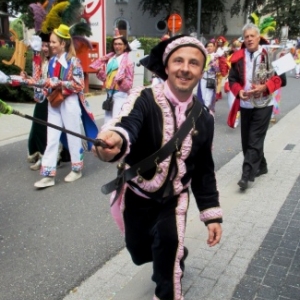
(247, 6)
(283, 11)
(15, 7)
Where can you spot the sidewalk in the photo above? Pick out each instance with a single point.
(259, 255)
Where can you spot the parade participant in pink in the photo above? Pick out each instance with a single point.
(116, 71)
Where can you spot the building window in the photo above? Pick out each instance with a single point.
(123, 26)
(161, 26)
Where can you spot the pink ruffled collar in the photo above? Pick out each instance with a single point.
(180, 107)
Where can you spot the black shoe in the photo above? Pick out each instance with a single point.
(243, 183)
(185, 255)
(261, 171)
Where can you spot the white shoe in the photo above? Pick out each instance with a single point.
(36, 166)
(72, 176)
(45, 182)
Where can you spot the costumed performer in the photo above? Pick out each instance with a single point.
(37, 139)
(221, 54)
(254, 120)
(116, 70)
(235, 46)
(64, 73)
(206, 91)
(151, 207)
(297, 61)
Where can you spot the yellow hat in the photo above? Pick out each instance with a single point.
(63, 31)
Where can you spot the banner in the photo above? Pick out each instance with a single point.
(95, 12)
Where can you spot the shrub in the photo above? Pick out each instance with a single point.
(15, 94)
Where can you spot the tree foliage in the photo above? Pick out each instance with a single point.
(213, 12)
(154, 7)
(241, 6)
(285, 12)
(14, 7)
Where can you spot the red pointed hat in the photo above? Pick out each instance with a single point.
(117, 34)
(221, 38)
(164, 37)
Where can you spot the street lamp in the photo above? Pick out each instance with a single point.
(199, 19)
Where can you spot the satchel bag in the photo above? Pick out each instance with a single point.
(108, 103)
(210, 83)
(56, 97)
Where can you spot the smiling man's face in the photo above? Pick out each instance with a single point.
(184, 69)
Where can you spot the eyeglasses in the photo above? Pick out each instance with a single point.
(118, 44)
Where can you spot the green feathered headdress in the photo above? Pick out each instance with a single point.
(267, 25)
(54, 17)
(255, 18)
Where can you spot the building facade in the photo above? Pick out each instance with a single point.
(126, 15)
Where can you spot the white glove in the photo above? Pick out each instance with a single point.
(220, 52)
(35, 43)
(3, 78)
(135, 44)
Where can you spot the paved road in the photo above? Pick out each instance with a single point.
(52, 240)
(259, 255)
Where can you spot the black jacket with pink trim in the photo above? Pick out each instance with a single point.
(149, 120)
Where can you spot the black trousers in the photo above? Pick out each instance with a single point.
(37, 139)
(154, 232)
(254, 126)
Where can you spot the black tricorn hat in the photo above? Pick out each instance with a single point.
(154, 61)
(45, 37)
(159, 54)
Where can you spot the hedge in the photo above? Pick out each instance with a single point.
(15, 94)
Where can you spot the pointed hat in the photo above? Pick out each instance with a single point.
(117, 33)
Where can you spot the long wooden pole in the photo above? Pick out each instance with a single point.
(199, 19)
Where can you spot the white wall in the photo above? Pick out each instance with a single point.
(140, 25)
